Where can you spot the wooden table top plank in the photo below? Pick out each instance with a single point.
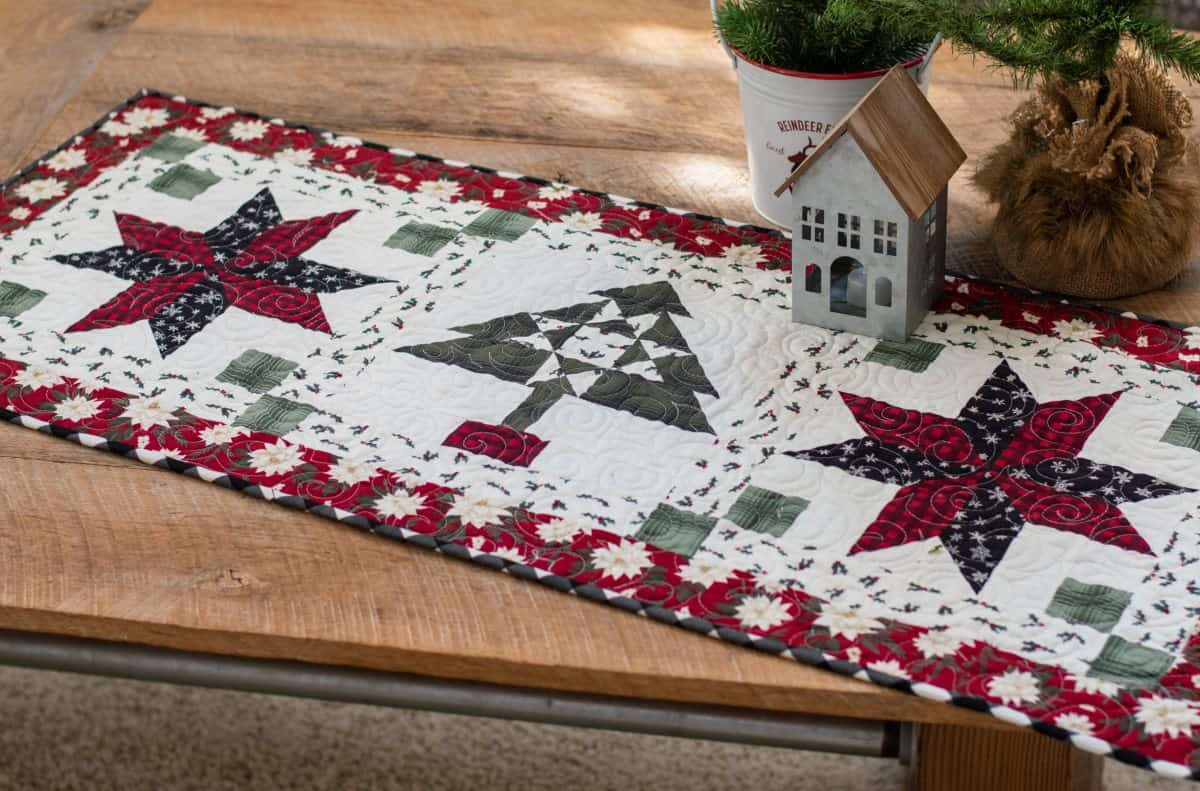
(629, 96)
(576, 73)
(47, 49)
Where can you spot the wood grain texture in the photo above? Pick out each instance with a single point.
(47, 49)
(624, 74)
(956, 759)
(628, 96)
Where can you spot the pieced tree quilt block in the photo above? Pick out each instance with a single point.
(611, 397)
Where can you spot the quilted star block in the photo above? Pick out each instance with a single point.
(184, 280)
(184, 182)
(975, 480)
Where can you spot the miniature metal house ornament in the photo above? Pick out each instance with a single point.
(869, 208)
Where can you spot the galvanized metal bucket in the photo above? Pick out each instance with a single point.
(787, 113)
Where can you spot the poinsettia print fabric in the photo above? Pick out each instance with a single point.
(611, 397)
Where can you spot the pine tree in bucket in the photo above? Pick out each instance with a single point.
(801, 65)
(818, 36)
(1097, 186)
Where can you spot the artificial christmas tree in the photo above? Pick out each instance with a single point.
(1097, 186)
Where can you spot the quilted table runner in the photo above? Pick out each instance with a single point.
(610, 397)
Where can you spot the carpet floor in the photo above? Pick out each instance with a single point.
(60, 731)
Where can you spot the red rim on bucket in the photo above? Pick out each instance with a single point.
(813, 75)
(812, 102)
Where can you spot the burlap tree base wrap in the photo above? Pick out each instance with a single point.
(1098, 188)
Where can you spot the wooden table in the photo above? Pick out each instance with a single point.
(628, 96)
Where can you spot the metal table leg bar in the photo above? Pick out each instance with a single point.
(354, 685)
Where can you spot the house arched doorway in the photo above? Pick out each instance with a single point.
(848, 287)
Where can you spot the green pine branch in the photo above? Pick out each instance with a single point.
(827, 36)
(1072, 39)
(1168, 48)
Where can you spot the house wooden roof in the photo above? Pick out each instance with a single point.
(905, 140)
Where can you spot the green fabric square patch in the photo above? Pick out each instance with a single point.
(16, 298)
(274, 415)
(1184, 430)
(676, 530)
(1130, 664)
(912, 355)
(1097, 606)
(421, 238)
(257, 371)
(171, 148)
(765, 511)
(184, 182)
(506, 226)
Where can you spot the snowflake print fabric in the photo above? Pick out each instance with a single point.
(610, 396)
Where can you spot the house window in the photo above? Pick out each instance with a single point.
(812, 279)
(848, 287)
(849, 232)
(812, 224)
(930, 221)
(885, 237)
(883, 292)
